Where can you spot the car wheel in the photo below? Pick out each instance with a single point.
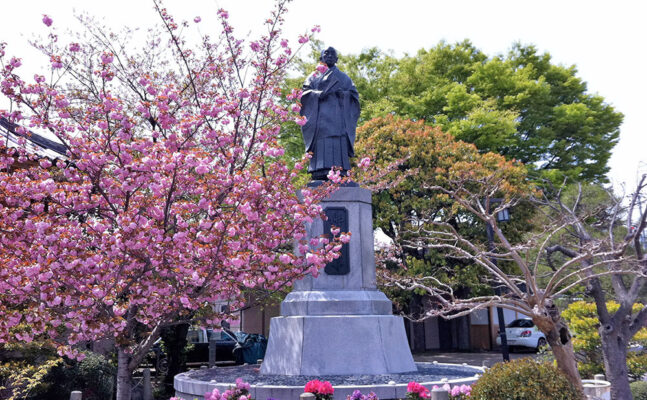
(541, 343)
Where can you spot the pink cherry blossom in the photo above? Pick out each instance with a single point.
(322, 68)
(170, 196)
(47, 20)
(197, 20)
(364, 163)
(107, 58)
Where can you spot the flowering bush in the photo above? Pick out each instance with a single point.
(417, 391)
(239, 392)
(321, 390)
(357, 395)
(461, 392)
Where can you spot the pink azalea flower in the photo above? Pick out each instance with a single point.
(322, 68)
(303, 39)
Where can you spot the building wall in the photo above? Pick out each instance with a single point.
(480, 335)
(256, 319)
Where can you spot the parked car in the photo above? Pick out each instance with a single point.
(523, 333)
(233, 348)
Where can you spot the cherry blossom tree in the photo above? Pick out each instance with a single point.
(172, 194)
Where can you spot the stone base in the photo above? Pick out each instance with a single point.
(337, 345)
(192, 385)
(335, 302)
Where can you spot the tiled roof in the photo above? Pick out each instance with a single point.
(35, 143)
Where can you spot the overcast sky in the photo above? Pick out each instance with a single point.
(605, 40)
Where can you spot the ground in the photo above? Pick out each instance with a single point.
(485, 358)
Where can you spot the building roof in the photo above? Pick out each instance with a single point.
(35, 143)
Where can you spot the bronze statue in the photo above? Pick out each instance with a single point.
(330, 102)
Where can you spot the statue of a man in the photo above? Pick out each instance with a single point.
(330, 102)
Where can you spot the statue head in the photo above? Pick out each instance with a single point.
(329, 57)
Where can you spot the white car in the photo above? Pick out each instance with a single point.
(523, 333)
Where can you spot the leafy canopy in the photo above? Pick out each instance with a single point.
(520, 105)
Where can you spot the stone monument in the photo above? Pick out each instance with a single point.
(337, 323)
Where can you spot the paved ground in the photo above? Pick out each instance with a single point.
(487, 358)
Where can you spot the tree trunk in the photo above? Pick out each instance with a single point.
(565, 357)
(124, 376)
(614, 350)
(559, 338)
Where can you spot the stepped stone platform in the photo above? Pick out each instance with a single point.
(194, 384)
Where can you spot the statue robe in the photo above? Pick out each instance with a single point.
(330, 102)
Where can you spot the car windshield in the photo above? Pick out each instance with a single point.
(521, 323)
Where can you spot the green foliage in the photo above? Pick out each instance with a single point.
(94, 376)
(524, 379)
(637, 365)
(22, 380)
(23, 368)
(639, 390)
(584, 323)
(34, 371)
(427, 157)
(519, 105)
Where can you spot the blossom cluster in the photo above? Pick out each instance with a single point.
(238, 392)
(171, 195)
(461, 392)
(357, 395)
(418, 391)
(321, 390)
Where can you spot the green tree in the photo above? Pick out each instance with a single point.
(520, 105)
(420, 152)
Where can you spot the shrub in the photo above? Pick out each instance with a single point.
(94, 376)
(637, 365)
(639, 390)
(524, 379)
(23, 368)
(583, 322)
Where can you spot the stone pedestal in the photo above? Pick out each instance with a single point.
(339, 323)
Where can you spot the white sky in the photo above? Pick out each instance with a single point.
(606, 40)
